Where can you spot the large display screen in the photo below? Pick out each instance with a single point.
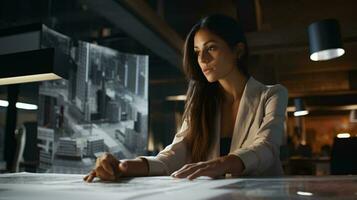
(102, 107)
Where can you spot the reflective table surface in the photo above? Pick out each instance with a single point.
(63, 186)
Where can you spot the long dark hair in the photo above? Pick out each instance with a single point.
(203, 96)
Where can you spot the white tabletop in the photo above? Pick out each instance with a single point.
(63, 186)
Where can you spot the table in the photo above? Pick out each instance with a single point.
(64, 186)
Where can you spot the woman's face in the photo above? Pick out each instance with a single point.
(215, 58)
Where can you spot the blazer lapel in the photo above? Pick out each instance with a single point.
(246, 112)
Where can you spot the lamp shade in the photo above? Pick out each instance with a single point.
(300, 109)
(325, 40)
(32, 66)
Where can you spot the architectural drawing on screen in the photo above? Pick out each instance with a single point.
(102, 107)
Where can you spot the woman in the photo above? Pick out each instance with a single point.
(233, 123)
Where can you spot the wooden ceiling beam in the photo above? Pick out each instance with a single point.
(291, 39)
(139, 21)
(332, 83)
(146, 13)
(300, 63)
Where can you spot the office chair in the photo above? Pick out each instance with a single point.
(343, 156)
(20, 135)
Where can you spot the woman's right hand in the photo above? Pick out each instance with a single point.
(107, 168)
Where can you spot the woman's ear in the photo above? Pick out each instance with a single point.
(240, 49)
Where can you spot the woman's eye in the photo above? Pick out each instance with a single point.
(211, 48)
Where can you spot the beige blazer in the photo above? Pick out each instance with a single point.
(257, 135)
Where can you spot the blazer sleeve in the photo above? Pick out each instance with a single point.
(264, 151)
(170, 159)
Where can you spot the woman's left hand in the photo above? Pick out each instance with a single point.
(211, 168)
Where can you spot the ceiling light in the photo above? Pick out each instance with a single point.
(304, 193)
(176, 98)
(32, 66)
(343, 135)
(19, 105)
(300, 109)
(325, 40)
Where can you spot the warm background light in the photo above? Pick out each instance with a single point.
(343, 135)
(301, 113)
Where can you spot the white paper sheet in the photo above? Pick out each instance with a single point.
(64, 186)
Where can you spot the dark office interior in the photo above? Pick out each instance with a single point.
(320, 142)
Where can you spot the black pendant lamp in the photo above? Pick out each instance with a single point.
(24, 60)
(325, 40)
(32, 66)
(300, 109)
